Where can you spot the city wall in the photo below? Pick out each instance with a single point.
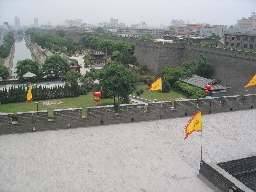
(233, 68)
(128, 113)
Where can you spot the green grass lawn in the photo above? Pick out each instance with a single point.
(83, 102)
(151, 95)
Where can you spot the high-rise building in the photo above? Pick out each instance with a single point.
(176, 22)
(17, 22)
(113, 22)
(36, 22)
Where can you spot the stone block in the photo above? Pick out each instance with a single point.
(232, 103)
(249, 101)
(186, 107)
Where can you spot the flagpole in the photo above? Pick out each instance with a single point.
(202, 145)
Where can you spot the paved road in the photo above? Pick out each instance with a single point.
(144, 157)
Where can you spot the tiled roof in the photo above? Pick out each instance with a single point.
(201, 82)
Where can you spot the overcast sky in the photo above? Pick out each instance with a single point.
(153, 12)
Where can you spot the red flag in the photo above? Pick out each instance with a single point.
(194, 124)
(251, 82)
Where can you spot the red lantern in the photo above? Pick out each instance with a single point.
(208, 86)
(97, 94)
(97, 99)
(206, 91)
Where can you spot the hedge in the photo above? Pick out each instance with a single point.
(191, 91)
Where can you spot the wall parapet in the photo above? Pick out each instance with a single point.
(106, 115)
(220, 178)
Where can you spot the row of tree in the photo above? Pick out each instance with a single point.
(103, 45)
(18, 94)
(54, 66)
(55, 43)
(5, 50)
(6, 47)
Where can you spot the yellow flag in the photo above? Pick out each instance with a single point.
(29, 94)
(156, 85)
(194, 124)
(251, 82)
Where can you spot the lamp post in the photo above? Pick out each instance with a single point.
(36, 105)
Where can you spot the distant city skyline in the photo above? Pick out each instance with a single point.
(152, 12)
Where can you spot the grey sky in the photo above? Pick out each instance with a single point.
(153, 12)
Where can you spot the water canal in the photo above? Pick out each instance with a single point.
(21, 52)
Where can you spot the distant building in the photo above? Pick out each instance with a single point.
(139, 31)
(113, 22)
(220, 30)
(139, 25)
(186, 29)
(73, 23)
(74, 66)
(46, 27)
(6, 26)
(176, 22)
(16, 22)
(36, 22)
(86, 28)
(240, 41)
(244, 23)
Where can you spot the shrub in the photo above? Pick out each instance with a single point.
(139, 92)
(191, 91)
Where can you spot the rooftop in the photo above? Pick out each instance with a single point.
(202, 82)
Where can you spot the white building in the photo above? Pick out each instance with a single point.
(176, 22)
(73, 23)
(247, 23)
(220, 30)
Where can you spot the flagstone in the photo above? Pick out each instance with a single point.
(144, 156)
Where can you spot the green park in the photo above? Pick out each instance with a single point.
(121, 76)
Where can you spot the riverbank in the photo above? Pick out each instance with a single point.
(38, 52)
(8, 62)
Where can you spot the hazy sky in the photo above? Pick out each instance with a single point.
(153, 12)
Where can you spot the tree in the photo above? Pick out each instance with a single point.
(171, 74)
(214, 36)
(118, 82)
(99, 30)
(4, 72)
(56, 66)
(115, 56)
(60, 33)
(166, 87)
(28, 65)
(190, 67)
(204, 67)
(72, 77)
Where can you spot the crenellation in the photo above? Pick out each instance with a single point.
(126, 113)
(231, 103)
(249, 101)
(186, 107)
